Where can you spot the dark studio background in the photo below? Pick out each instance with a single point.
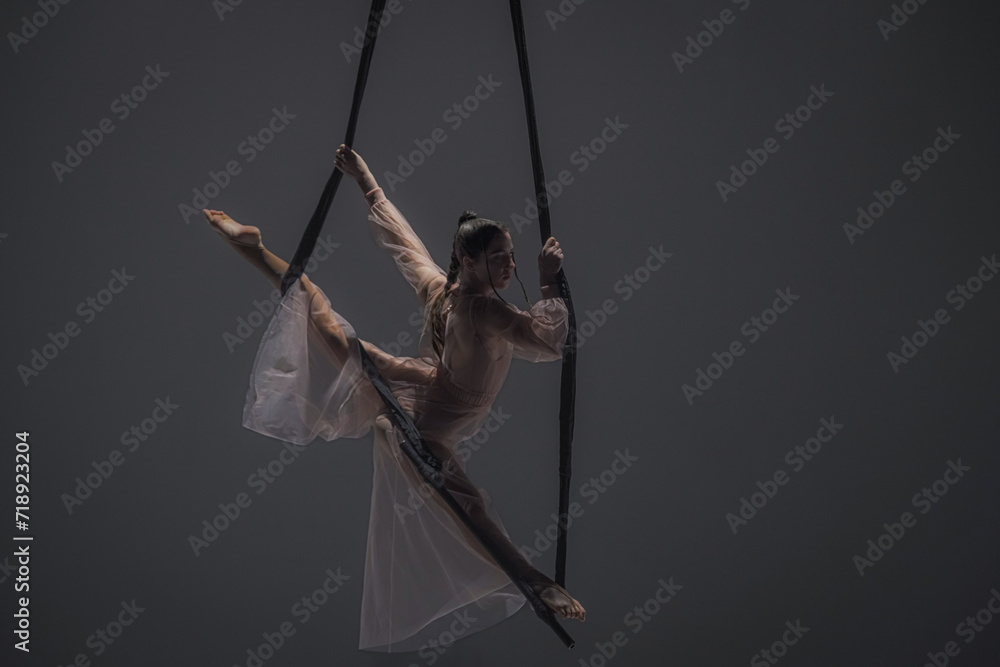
(162, 336)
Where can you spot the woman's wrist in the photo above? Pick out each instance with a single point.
(367, 182)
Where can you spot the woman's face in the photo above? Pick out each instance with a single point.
(497, 262)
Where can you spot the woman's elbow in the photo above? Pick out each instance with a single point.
(541, 354)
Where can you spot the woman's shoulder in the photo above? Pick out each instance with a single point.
(482, 304)
(476, 296)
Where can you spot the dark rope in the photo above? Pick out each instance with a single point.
(413, 445)
(567, 395)
(311, 235)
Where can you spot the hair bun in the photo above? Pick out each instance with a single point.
(466, 216)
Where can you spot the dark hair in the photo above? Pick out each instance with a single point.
(471, 238)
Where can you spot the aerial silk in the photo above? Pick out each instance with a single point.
(567, 396)
(412, 443)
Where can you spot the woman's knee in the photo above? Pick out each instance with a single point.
(471, 501)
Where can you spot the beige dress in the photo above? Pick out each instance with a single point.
(423, 580)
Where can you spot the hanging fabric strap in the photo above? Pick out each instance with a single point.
(311, 235)
(567, 395)
(428, 465)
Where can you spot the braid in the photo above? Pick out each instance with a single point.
(437, 307)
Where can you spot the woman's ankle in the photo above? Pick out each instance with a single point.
(537, 580)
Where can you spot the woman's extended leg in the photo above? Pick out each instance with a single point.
(246, 241)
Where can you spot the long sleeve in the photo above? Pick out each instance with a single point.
(394, 234)
(537, 334)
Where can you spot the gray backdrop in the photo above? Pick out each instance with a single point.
(825, 495)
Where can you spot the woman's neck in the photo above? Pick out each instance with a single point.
(466, 289)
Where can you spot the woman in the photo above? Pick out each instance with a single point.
(425, 573)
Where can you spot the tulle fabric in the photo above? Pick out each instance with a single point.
(425, 578)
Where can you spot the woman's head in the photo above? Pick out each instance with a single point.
(482, 259)
(484, 253)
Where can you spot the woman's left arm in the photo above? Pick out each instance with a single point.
(537, 334)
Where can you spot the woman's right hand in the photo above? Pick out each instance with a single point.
(549, 261)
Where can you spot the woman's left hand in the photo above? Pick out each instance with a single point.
(549, 260)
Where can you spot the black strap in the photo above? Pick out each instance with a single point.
(567, 395)
(413, 445)
(311, 235)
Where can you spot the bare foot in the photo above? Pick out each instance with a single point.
(230, 229)
(560, 601)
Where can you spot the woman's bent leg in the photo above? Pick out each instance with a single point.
(472, 501)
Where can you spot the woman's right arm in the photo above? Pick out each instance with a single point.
(350, 163)
(392, 231)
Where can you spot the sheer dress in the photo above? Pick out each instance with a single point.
(425, 579)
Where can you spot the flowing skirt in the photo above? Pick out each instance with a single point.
(424, 584)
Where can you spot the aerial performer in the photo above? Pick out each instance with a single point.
(424, 569)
